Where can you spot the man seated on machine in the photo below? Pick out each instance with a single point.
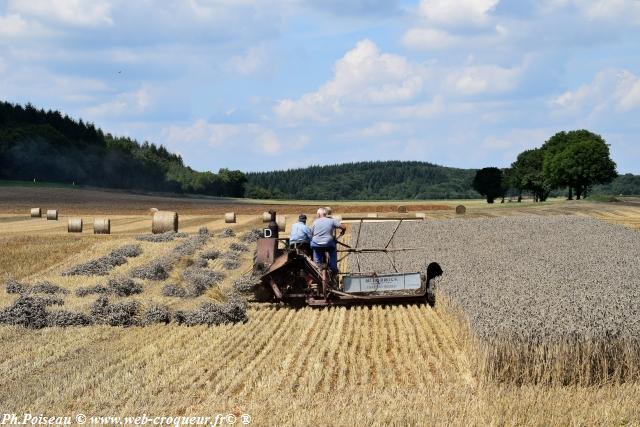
(322, 239)
(300, 237)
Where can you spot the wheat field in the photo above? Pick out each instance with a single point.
(378, 365)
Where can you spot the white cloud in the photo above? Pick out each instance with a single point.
(429, 38)
(12, 25)
(420, 110)
(611, 89)
(457, 12)
(201, 132)
(476, 79)
(73, 12)
(127, 103)
(375, 130)
(251, 62)
(444, 24)
(224, 137)
(369, 85)
(363, 76)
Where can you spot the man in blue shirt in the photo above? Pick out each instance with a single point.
(300, 234)
(323, 240)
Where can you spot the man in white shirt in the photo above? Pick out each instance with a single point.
(322, 239)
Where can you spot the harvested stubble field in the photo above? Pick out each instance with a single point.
(382, 365)
(86, 201)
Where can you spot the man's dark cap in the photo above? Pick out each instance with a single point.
(302, 218)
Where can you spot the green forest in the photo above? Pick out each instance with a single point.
(406, 180)
(384, 180)
(47, 146)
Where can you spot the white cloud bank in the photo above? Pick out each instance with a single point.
(363, 76)
(366, 78)
(610, 90)
(249, 138)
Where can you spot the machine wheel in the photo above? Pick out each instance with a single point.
(262, 294)
(431, 293)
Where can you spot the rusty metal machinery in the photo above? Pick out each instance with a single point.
(289, 274)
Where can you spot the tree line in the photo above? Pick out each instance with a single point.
(381, 180)
(49, 146)
(576, 160)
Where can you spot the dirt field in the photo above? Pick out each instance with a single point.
(382, 365)
(92, 202)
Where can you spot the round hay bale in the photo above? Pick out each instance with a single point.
(36, 213)
(372, 215)
(266, 217)
(421, 215)
(402, 209)
(328, 209)
(282, 222)
(75, 225)
(460, 209)
(164, 221)
(102, 226)
(52, 215)
(230, 218)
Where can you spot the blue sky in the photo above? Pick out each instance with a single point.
(259, 85)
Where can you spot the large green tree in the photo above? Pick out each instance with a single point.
(527, 174)
(489, 183)
(578, 160)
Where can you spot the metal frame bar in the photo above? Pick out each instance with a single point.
(386, 250)
(393, 264)
(393, 234)
(362, 250)
(349, 219)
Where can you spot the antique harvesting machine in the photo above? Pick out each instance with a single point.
(288, 274)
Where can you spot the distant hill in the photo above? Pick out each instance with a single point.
(47, 146)
(387, 180)
(383, 180)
